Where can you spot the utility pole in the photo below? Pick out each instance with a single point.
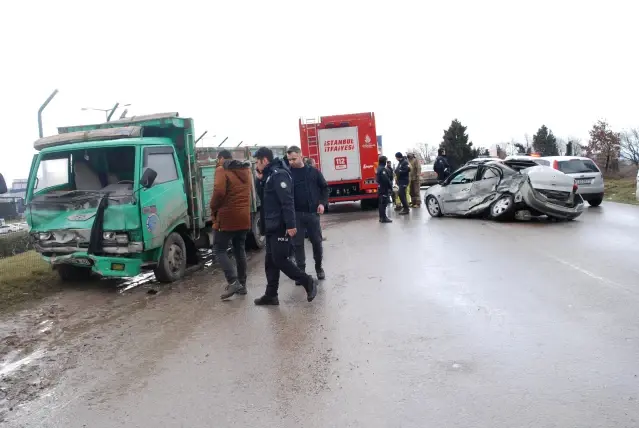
(41, 132)
(41, 109)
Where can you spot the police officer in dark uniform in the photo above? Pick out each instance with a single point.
(277, 217)
(384, 189)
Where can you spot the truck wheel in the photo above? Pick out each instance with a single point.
(172, 262)
(503, 208)
(255, 240)
(70, 273)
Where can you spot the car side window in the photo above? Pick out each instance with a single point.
(463, 177)
(489, 173)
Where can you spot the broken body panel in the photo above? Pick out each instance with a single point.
(89, 207)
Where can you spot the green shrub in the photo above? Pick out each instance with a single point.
(14, 243)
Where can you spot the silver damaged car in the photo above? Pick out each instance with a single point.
(504, 190)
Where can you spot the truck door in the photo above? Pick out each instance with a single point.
(457, 193)
(165, 202)
(339, 154)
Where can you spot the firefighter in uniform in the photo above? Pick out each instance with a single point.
(415, 180)
(277, 217)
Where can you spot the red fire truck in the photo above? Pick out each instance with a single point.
(344, 148)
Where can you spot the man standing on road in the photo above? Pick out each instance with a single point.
(231, 216)
(415, 180)
(310, 192)
(278, 220)
(441, 167)
(384, 189)
(402, 171)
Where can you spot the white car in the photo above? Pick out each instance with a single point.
(586, 173)
(5, 229)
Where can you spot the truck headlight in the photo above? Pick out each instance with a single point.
(44, 236)
(118, 237)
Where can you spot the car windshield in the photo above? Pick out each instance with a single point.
(576, 166)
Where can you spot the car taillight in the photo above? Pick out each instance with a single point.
(555, 164)
(575, 187)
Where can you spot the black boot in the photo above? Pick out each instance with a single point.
(267, 301)
(385, 220)
(311, 288)
(320, 273)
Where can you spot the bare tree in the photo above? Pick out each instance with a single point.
(630, 146)
(424, 151)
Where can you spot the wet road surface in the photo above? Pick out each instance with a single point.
(423, 322)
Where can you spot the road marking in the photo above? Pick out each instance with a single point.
(592, 275)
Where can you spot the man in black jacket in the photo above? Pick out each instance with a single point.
(277, 217)
(384, 189)
(441, 167)
(310, 192)
(402, 171)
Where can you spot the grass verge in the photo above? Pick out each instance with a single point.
(24, 277)
(621, 190)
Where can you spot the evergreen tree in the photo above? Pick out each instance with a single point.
(458, 149)
(545, 143)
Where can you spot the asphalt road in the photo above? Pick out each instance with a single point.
(420, 323)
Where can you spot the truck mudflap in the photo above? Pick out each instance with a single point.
(117, 267)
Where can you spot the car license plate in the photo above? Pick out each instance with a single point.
(584, 181)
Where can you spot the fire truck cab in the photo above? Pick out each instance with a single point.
(344, 148)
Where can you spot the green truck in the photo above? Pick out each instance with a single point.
(121, 197)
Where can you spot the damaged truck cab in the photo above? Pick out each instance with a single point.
(121, 197)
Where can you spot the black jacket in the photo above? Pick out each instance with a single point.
(276, 193)
(384, 180)
(402, 171)
(441, 167)
(317, 187)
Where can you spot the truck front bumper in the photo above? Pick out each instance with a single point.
(105, 266)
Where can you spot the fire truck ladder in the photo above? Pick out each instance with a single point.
(311, 128)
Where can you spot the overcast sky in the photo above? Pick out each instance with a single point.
(249, 69)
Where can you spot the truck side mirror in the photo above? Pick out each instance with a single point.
(148, 178)
(3, 185)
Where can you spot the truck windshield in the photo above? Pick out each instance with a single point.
(85, 174)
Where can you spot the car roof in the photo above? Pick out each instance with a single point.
(565, 158)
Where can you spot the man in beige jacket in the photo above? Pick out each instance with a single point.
(415, 180)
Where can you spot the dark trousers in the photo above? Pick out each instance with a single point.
(276, 259)
(309, 222)
(383, 204)
(221, 243)
(402, 196)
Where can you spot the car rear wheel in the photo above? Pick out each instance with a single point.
(432, 205)
(503, 208)
(595, 202)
